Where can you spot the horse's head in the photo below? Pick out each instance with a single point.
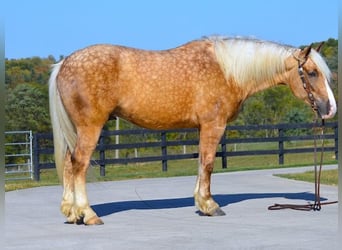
(309, 80)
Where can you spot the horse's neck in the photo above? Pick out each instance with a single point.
(253, 66)
(255, 87)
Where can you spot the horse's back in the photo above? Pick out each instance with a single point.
(155, 89)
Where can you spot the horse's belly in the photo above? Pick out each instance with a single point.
(154, 114)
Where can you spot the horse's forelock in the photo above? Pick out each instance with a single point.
(321, 64)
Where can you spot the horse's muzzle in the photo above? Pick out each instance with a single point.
(325, 109)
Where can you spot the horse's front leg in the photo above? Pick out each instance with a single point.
(209, 139)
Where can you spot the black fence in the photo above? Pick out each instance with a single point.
(166, 145)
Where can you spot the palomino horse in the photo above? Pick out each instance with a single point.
(201, 84)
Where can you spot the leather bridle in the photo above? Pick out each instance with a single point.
(306, 83)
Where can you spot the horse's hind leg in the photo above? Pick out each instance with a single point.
(209, 138)
(67, 206)
(87, 138)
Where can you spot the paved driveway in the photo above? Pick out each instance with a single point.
(160, 214)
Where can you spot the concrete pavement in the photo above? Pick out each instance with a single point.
(160, 214)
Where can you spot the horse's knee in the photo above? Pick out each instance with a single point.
(207, 162)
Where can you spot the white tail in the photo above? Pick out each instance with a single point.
(64, 133)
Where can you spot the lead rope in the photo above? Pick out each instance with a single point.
(317, 204)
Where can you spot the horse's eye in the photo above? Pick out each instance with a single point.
(312, 73)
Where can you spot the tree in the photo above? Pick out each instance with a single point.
(28, 70)
(27, 108)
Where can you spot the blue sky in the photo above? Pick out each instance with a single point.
(42, 28)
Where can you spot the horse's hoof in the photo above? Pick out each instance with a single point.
(218, 212)
(94, 221)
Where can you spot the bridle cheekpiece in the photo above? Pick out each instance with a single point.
(306, 83)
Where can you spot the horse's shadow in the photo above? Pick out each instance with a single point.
(222, 199)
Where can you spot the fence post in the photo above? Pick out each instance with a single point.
(336, 140)
(102, 156)
(224, 150)
(281, 145)
(35, 160)
(164, 151)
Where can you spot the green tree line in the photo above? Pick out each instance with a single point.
(27, 106)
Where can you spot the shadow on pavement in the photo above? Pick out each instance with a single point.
(222, 199)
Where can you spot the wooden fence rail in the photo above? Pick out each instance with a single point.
(159, 143)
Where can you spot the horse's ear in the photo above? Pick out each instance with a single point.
(320, 46)
(304, 53)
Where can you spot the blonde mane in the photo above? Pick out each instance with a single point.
(249, 60)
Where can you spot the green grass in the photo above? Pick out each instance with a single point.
(329, 177)
(177, 168)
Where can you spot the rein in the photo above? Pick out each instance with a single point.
(317, 205)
